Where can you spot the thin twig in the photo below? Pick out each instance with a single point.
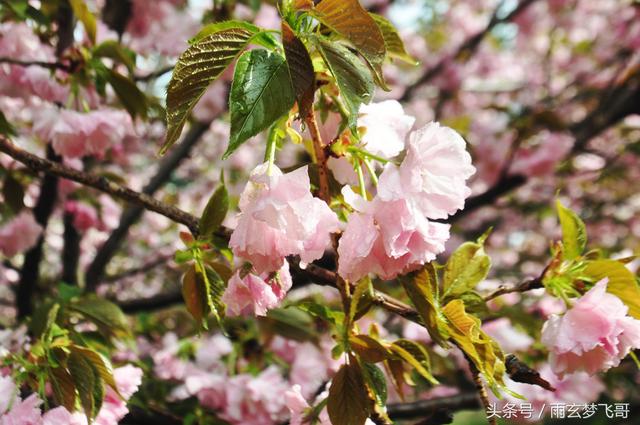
(54, 66)
(100, 183)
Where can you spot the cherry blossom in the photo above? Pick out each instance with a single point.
(19, 234)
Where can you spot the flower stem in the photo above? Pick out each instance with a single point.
(321, 159)
(270, 153)
(371, 172)
(363, 190)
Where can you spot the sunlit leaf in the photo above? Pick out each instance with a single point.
(64, 390)
(467, 266)
(416, 355)
(101, 364)
(215, 212)
(84, 377)
(368, 348)
(393, 42)
(102, 312)
(259, 36)
(260, 94)
(199, 66)
(303, 77)
(622, 283)
(422, 289)
(574, 234)
(349, 19)
(352, 77)
(84, 15)
(376, 382)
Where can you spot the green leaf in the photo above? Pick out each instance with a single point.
(352, 77)
(84, 378)
(301, 72)
(133, 100)
(622, 283)
(215, 212)
(368, 348)
(467, 266)
(574, 234)
(392, 40)
(349, 19)
(194, 295)
(112, 49)
(376, 381)
(43, 317)
(101, 365)
(102, 312)
(361, 299)
(416, 355)
(422, 289)
(348, 402)
(483, 351)
(199, 66)
(259, 36)
(84, 15)
(5, 126)
(292, 323)
(323, 312)
(64, 390)
(261, 93)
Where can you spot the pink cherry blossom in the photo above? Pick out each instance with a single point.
(253, 294)
(23, 412)
(8, 392)
(128, 379)
(19, 234)
(433, 174)
(386, 127)
(508, 338)
(57, 416)
(75, 134)
(592, 336)
(84, 216)
(280, 217)
(387, 238)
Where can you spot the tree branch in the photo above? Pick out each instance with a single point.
(70, 250)
(53, 66)
(427, 408)
(100, 183)
(95, 271)
(43, 209)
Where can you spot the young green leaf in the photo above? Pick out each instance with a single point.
(348, 402)
(422, 289)
(85, 16)
(199, 66)
(416, 355)
(376, 382)
(5, 126)
(467, 266)
(574, 234)
(301, 72)
(64, 390)
(102, 312)
(622, 283)
(84, 377)
(131, 97)
(393, 42)
(101, 365)
(113, 50)
(352, 77)
(215, 212)
(260, 94)
(259, 36)
(349, 19)
(368, 348)
(194, 295)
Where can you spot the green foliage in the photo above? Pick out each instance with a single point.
(131, 97)
(113, 50)
(259, 36)
(215, 212)
(6, 128)
(84, 15)
(87, 382)
(352, 77)
(468, 265)
(393, 42)
(199, 66)
(415, 355)
(574, 234)
(351, 21)
(103, 313)
(261, 93)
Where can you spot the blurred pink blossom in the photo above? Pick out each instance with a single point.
(19, 234)
(84, 216)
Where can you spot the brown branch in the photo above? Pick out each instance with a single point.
(430, 407)
(321, 157)
(53, 66)
(70, 250)
(154, 74)
(525, 286)
(465, 51)
(100, 183)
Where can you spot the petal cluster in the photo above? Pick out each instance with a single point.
(19, 234)
(256, 294)
(280, 217)
(393, 233)
(594, 335)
